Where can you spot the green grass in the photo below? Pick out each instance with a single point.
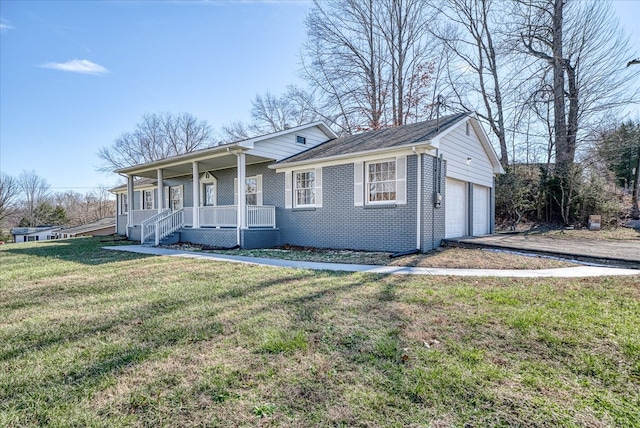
(98, 338)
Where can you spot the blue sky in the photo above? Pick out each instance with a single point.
(74, 75)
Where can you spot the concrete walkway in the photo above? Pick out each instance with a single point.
(572, 272)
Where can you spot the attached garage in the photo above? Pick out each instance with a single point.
(480, 210)
(455, 208)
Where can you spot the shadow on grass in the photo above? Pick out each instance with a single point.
(87, 251)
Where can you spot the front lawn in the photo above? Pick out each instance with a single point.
(90, 337)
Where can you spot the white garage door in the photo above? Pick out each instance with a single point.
(455, 208)
(480, 210)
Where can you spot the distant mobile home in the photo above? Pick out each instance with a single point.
(32, 234)
(396, 189)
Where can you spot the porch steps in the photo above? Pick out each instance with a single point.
(167, 240)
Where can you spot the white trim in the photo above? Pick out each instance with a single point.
(288, 191)
(400, 181)
(317, 187)
(318, 184)
(358, 185)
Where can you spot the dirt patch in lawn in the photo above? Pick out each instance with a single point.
(461, 258)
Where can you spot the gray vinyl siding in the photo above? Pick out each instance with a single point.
(340, 224)
(285, 145)
(122, 224)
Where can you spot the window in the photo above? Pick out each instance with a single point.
(381, 181)
(467, 128)
(147, 199)
(209, 194)
(300, 140)
(208, 191)
(305, 188)
(252, 190)
(124, 205)
(175, 198)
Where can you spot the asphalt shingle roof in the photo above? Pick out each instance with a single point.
(404, 135)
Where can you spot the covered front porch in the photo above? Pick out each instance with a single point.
(183, 193)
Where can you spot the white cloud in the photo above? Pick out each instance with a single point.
(5, 26)
(82, 66)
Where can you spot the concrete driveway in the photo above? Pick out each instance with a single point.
(621, 253)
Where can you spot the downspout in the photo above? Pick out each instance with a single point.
(435, 196)
(418, 198)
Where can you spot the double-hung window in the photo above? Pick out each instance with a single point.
(381, 181)
(175, 198)
(147, 199)
(252, 190)
(124, 205)
(304, 188)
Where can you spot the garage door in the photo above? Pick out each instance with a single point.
(480, 210)
(455, 208)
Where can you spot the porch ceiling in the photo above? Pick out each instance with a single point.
(185, 168)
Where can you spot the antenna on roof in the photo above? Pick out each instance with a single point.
(439, 102)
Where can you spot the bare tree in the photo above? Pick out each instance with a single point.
(471, 34)
(581, 46)
(368, 62)
(577, 50)
(235, 131)
(158, 136)
(271, 113)
(403, 24)
(345, 51)
(34, 191)
(9, 191)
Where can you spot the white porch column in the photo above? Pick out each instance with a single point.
(160, 191)
(196, 195)
(242, 197)
(129, 202)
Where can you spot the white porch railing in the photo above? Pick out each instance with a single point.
(138, 216)
(227, 216)
(220, 216)
(167, 225)
(148, 226)
(261, 216)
